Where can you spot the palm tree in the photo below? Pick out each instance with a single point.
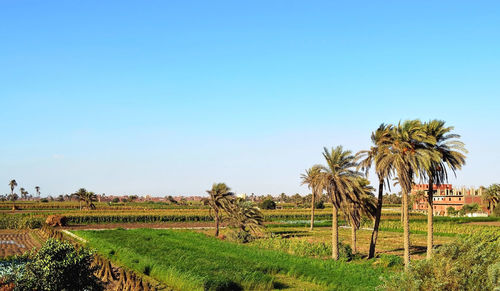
(86, 196)
(408, 156)
(13, 184)
(37, 189)
(340, 179)
(492, 196)
(312, 179)
(23, 193)
(451, 155)
(245, 216)
(366, 205)
(220, 199)
(381, 139)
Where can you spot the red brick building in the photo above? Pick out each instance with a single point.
(446, 196)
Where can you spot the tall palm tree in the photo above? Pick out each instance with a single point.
(37, 189)
(366, 205)
(451, 155)
(13, 185)
(491, 196)
(220, 199)
(408, 156)
(382, 140)
(23, 193)
(339, 176)
(312, 178)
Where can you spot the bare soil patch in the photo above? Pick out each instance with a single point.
(17, 242)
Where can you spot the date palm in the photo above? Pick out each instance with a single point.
(37, 189)
(381, 140)
(220, 199)
(13, 185)
(245, 216)
(87, 197)
(312, 178)
(339, 177)
(491, 196)
(366, 205)
(451, 155)
(408, 156)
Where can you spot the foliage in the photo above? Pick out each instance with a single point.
(59, 266)
(303, 248)
(193, 261)
(20, 221)
(319, 205)
(466, 264)
(246, 217)
(268, 204)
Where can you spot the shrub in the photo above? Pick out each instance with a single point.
(471, 263)
(239, 236)
(268, 204)
(59, 266)
(115, 200)
(319, 205)
(451, 211)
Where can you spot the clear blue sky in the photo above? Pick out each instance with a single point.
(166, 97)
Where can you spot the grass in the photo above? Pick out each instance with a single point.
(192, 261)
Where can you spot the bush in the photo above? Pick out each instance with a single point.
(115, 200)
(319, 205)
(240, 236)
(471, 263)
(59, 266)
(268, 204)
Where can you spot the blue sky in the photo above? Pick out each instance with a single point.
(167, 97)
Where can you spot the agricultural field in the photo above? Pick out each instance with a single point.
(193, 261)
(175, 244)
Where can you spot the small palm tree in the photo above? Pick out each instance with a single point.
(245, 216)
(451, 155)
(366, 205)
(37, 189)
(492, 196)
(339, 177)
(13, 185)
(382, 140)
(312, 178)
(220, 199)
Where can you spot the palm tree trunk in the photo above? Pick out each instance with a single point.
(312, 210)
(353, 237)
(335, 233)
(378, 215)
(406, 230)
(430, 218)
(216, 223)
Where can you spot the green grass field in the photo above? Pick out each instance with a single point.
(193, 261)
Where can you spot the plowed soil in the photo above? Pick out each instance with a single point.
(17, 242)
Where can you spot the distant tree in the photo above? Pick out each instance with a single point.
(268, 204)
(451, 211)
(220, 199)
(60, 198)
(171, 199)
(115, 200)
(297, 199)
(87, 197)
(283, 198)
(132, 198)
(13, 185)
(312, 178)
(24, 193)
(37, 189)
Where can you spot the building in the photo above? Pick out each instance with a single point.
(446, 196)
